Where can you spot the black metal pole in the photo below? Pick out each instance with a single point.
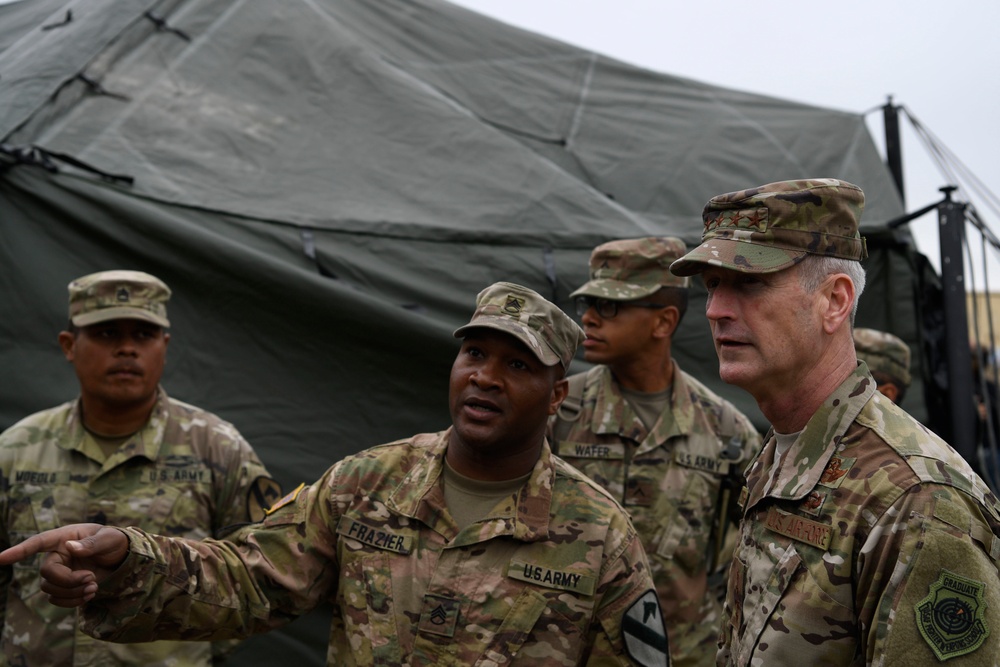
(951, 218)
(894, 146)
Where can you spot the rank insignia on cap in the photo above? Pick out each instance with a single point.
(644, 633)
(514, 305)
(122, 294)
(952, 616)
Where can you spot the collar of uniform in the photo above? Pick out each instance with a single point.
(145, 442)
(419, 495)
(610, 409)
(809, 455)
(682, 409)
(611, 402)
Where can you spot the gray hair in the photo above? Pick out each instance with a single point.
(814, 269)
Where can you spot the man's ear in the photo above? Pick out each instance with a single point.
(560, 390)
(67, 341)
(667, 321)
(890, 391)
(838, 292)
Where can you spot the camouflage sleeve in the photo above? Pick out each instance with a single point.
(259, 578)
(243, 487)
(928, 587)
(630, 629)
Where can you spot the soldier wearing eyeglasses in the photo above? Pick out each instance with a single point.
(662, 443)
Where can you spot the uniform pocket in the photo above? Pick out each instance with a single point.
(515, 629)
(760, 601)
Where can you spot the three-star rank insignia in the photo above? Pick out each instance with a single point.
(952, 616)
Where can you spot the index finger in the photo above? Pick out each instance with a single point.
(50, 540)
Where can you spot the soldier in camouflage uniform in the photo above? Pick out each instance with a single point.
(888, 360)
(475, 545)
(122, 453)
(865, 539)
(665, 446)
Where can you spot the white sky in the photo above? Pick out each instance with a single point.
(939, 60)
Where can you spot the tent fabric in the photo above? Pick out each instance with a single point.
(327, 184)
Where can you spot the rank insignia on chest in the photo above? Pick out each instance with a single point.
(952, 618)
(439, 615)
(813, 503)
(835, 471)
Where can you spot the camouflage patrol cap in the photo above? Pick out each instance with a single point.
(883, 352)
(118, 295)
(773, 227)
(630, 269)
(526, 315)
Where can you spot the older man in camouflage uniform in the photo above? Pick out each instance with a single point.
(888, 360)
(866, 540)
(122, 453)
(664, 445)
(475, 545)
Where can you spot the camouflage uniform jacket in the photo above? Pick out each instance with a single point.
(872, 542)
(185, 473)
(669, 479)
(550, 576)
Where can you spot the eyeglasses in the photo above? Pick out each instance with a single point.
(607, 308)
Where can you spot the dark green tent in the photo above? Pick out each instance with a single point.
(326, 185)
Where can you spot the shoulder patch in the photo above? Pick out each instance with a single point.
(261, 495)
(290, 498)
(644, 632)
(952, 618)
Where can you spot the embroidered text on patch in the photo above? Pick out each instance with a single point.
(952, 616)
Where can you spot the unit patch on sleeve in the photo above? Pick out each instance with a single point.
(952, 616)
(263, 493)
(644, 633)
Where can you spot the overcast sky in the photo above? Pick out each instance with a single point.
(939, 60)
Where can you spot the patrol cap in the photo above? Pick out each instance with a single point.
(118, 295)
(882, 351)
(630, 269)
(773, 227)
(523, 313)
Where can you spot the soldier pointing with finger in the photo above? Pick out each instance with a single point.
(475, 545)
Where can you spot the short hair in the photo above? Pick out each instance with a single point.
(672, 296)
(814, 269)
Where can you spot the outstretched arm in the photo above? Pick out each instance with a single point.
(80, 556)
